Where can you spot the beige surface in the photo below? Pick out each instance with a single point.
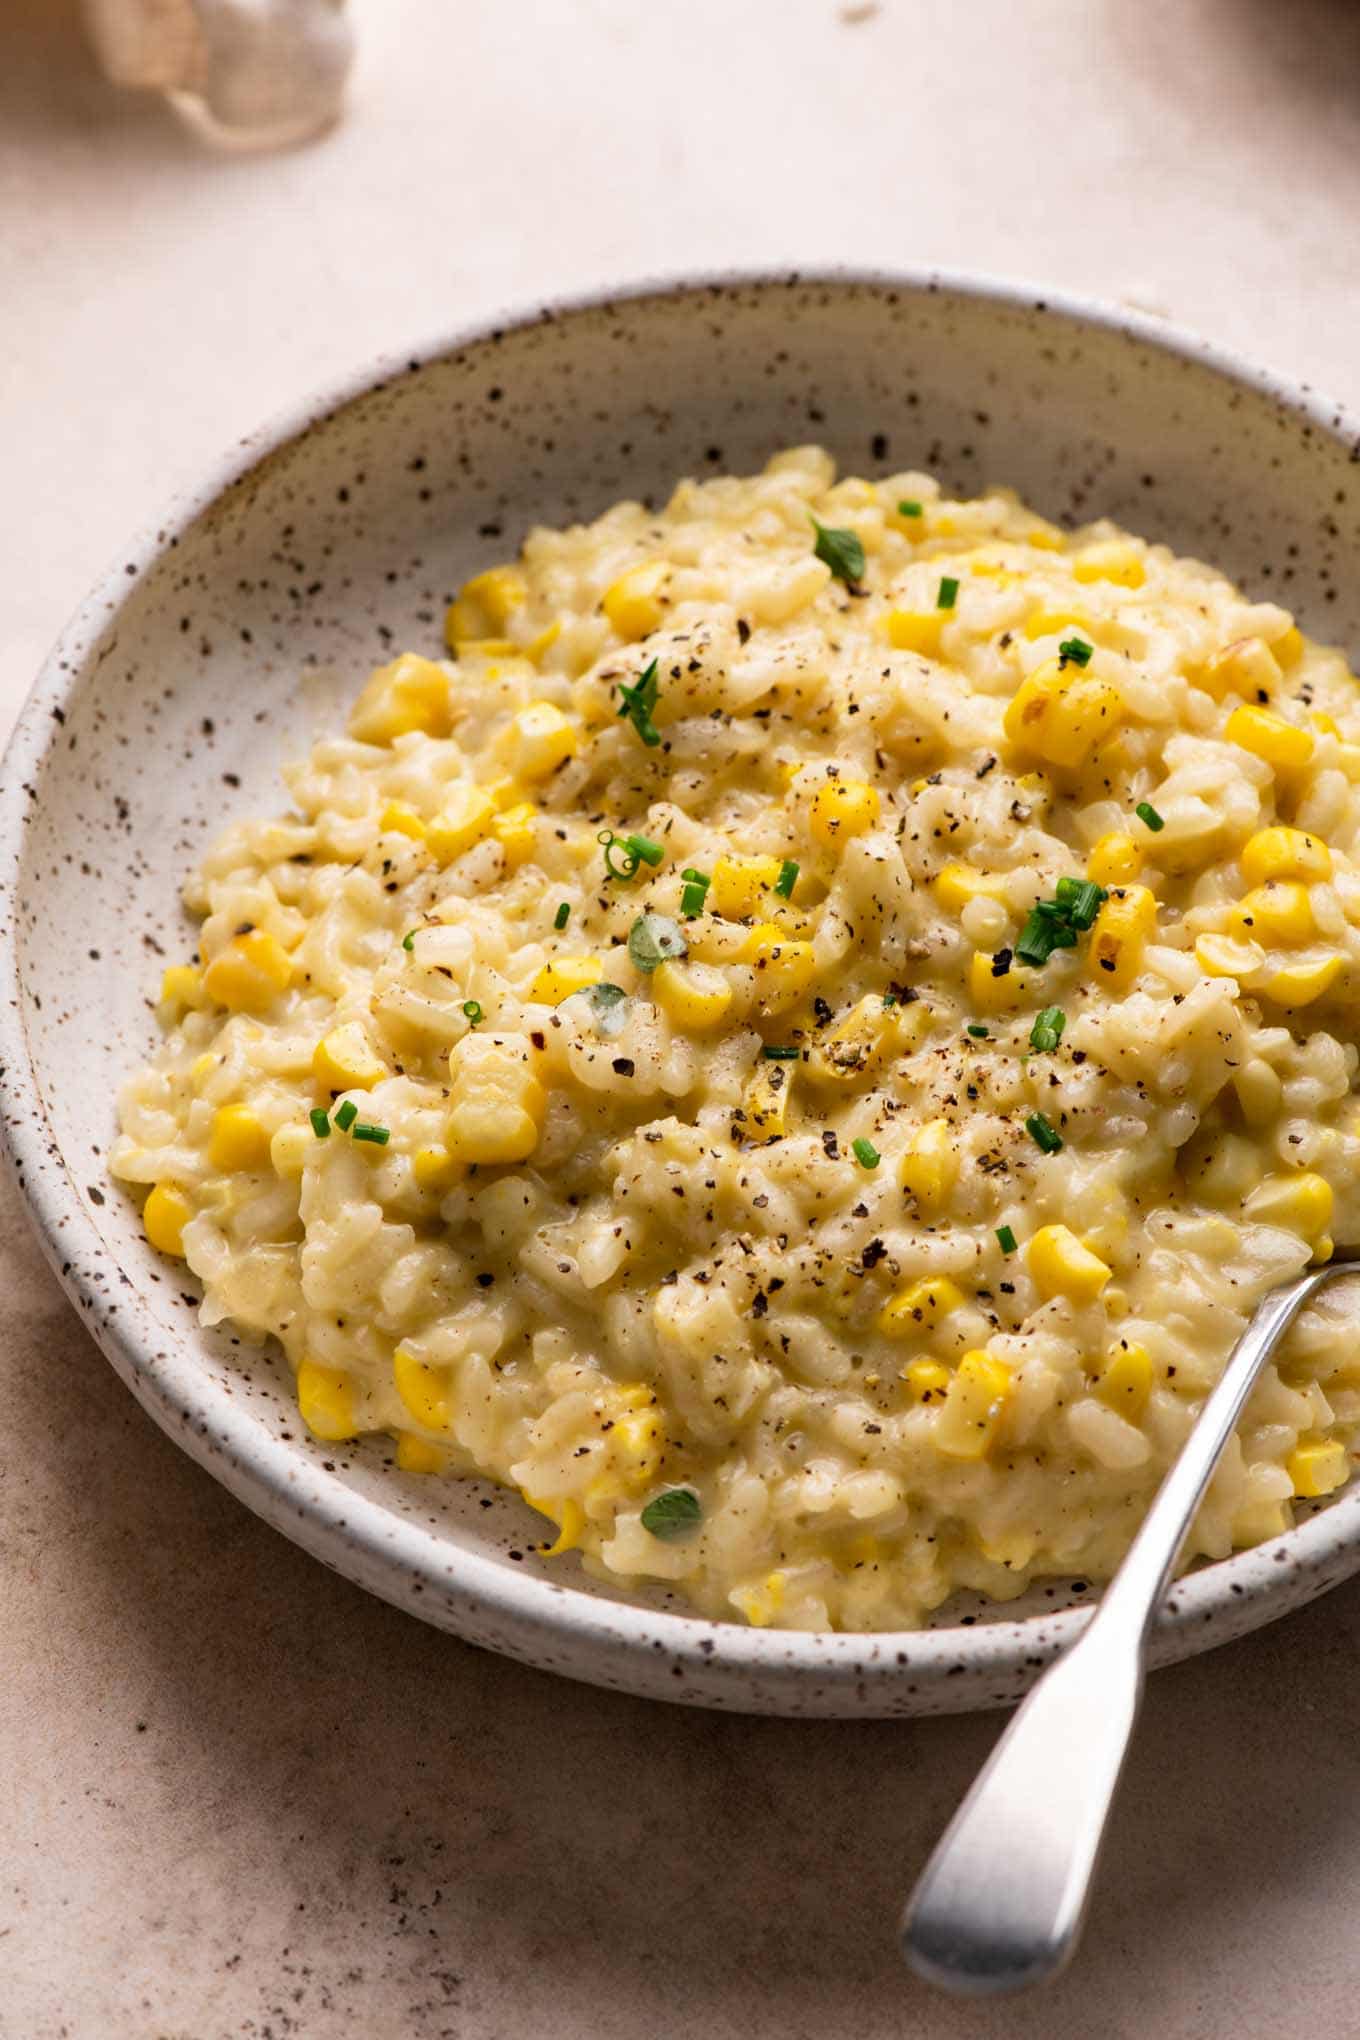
(249, 1800)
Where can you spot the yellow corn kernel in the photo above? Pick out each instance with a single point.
(922, 1304)
(237, 1140)
(1115, 859)
(841, 808)
(410, 694)
(1318, 1466)
(1278, 911)
(1247, 667)
(434, 1168)
(164, 1216)
(739, 883)
(541, 738)
(466, 816)
(863, 1040)
(181, 985)
(974, 1407)
(1268, 736)
(1062, 712)
(417, 1455)
(916, 630)
(249, 973)
(1125, 1381)
(636, 1442)
(767, 1099)
(1220, 956)
(1279, 852)
(784, 969)
(761, 1604)
(1121, 930)
(635, 603)
(926, 1379)
(1061, 1266)
(1298, 984)
(1328, 724)
(1054, 622)
(989, 992)
(569, 1518)
(1043, 536)
(930, 1166)
(496, 1104)
(957, 884)
(402, 821)
(516, 830)
(1300, 1203)
(201, 1068)
(290, 1147)
(694, 996)
(544, 642)
(1111, 559)
(563, 976)
(326, 1401)
(484, 606)
(424, 1390)
(1288, 646)
(344, 1060)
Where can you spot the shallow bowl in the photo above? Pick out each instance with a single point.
(228, 634)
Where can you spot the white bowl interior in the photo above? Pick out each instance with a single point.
(220, 646)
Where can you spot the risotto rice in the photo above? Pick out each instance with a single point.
(798, 1047)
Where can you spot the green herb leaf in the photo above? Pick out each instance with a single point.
(949, 593)
(563, 915)
(1007, 1239)
(608, 1007)
(653, 939)
(408, 942)
(1046, 1032)
(379, 1135)
(1148, 814)
(909, 508)
(1074, 651)
(346, 1115)
(978, 1031)
(787, 879)
(637, 703)
(840, 550)
(1043, 1133)
(321, 1125)
(472, 1010)
(865, 1153)
(673, 1514)
(775, 1051)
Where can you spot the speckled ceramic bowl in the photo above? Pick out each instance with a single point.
(226, 635)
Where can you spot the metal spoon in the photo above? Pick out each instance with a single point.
(1001, 1903)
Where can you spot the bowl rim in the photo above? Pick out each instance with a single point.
(397, 1556)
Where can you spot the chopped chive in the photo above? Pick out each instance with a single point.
(346, 1115)
(978, 1031)
(644, 849)
(409, 941)
(637, 704)
(1044, 1135)
(673, 1514)
(699, 878)
(1037, 940)
(473, 1010)
(889, 1001)
(1074, 651)
(840, 550)
(1086, 904)
(1006, 1238)
(1148, 814)
(363, 1130)
(1046, 1032)
(321, 1124)
(613, 847)
(787, 879)
(692, 899)
(909, 508)
(949, 593)
(563, 915)
(776, 1051)
(653, 939)
(865, 1153)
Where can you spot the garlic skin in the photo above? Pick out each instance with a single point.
(247, 73)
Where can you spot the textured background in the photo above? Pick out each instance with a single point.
(243, 1799)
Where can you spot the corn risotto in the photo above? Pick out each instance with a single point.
(797, 1046)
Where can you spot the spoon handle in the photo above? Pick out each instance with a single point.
(1001, 1902)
